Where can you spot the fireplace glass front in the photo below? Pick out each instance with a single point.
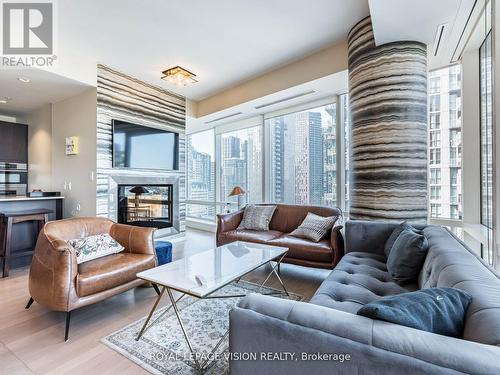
(146, 205)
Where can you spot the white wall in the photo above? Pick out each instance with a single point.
(39, 148)
(75, 116)
(471, 183)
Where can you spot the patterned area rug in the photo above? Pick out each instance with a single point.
(163, 350)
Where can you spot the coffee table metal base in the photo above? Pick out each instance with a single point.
(201, 367)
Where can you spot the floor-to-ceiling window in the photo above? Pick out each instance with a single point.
(486, 145)
(445, 143)
(200, 163)
(486, 131)
(241, 164)
(303, 156)
(290, 157)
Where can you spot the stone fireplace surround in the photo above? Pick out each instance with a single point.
(130, 179)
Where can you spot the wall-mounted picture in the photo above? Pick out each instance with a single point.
(72, 146)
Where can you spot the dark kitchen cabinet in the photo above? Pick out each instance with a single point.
(13, 142)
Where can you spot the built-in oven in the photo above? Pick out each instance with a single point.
(13, 178)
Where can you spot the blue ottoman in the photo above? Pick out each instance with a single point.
(163, 252)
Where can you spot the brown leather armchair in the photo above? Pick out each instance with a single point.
(287, 217)
(57, 282)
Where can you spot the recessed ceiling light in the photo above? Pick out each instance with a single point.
(179, 76)
(24, 79)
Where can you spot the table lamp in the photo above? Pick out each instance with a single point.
(237, 191)
(138, 190)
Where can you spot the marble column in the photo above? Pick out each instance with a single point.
(388, 104)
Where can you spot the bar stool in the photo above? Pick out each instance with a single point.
(7, 220)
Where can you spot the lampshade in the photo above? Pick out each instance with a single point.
(236, 191)
(139, 190)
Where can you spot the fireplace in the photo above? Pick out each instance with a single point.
(146, 205)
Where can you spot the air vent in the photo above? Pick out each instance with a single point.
(223, 117)
(285, 99)
(439, 37)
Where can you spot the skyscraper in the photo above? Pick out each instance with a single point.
(308, 158)
(278, 159)
(329, 158)
(445, 143)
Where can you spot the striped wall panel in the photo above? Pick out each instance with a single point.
(125, 98)
(388, 103)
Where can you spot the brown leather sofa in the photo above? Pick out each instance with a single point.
(324, 254)
(57, 282)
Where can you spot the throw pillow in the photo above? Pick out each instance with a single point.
(257, 217)
(93, 247)
(314, 227)
(407, 256)
(394, 235)
(437, 310)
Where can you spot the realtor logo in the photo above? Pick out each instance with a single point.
(27, 29)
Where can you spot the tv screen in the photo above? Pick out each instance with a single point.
(143, 147)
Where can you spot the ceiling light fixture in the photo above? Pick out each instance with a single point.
(24, 79)
(4, 100)
(179, 76)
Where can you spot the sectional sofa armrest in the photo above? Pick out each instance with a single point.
(227, 222)
(136, 240)
(348, 343)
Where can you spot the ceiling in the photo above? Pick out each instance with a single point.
(418, 20)
(328, 86)
(45, 87)
(224, 42)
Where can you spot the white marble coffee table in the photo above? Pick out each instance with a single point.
(202, 274)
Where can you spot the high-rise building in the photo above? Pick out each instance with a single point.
(201, 184)
(329, 197)
(231, 147)
(301, 172)
(253, 157)
(277, 127)
(445, 143)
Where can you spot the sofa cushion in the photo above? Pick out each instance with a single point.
(257, 217)
(248, 235)
(300, 248)
(108, 272)
(287, 217)
(407, 256)
(314, 227)
(358, 279)
(395, 234)
(436, 310)
(450, 264)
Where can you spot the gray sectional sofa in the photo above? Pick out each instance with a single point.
(328, 324)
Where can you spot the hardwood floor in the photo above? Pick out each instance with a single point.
(31, 341)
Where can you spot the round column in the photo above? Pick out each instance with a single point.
(388, 104)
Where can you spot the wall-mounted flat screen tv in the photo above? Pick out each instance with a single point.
(142, 147)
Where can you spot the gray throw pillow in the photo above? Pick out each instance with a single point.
(314, 227)
(437, 310)
(257, 217)
(394, 235)
(407, 256)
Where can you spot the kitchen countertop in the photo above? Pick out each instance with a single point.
(25, 198)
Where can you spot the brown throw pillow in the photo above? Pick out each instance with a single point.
(314, 227)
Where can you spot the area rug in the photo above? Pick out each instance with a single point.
(163, 350)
